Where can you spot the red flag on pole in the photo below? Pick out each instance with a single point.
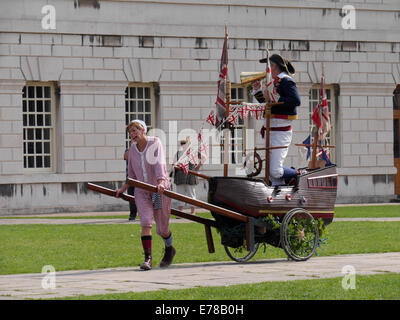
(321, 112)
(221, 95)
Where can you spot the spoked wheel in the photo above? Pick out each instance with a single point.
(299, 234)
(241, 254)
(253, 164)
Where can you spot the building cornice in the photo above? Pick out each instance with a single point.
(276, 19)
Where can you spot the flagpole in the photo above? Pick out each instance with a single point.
(314, 152)
(227, 107)
(267, 133)
(316, 135)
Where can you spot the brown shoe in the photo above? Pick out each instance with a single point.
(146, 264)
(168, 256)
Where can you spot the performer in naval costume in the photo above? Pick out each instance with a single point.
(282, 116)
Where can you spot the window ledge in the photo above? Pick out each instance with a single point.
(61, 178)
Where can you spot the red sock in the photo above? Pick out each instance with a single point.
(146, 243)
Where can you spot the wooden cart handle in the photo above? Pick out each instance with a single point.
(195, 202)
(110, 192)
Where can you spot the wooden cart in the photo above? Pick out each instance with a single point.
(247, 212)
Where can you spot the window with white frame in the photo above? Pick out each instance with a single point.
(314, 96)
(237, 141)
(38, 112)
(139, 104)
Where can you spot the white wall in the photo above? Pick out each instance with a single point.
(178, 46)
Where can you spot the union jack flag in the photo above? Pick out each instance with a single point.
(308, 142)
(321, 112)
(259, 112)
(221, 95)
(184, 166)
(242, 111)
(233, 117)
(211, 118)
(270, 85)
(325, 157)
(192, 159)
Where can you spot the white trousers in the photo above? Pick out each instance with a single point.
(277, 156)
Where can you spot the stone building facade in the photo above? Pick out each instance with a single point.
(66, 93)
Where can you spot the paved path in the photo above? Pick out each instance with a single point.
(72, 283)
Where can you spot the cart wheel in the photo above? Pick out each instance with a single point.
(253, 164)
(241, 254)
(299, 234)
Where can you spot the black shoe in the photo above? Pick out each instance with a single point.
(132, 218)
(168, 257)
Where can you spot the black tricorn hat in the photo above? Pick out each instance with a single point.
(284, 64)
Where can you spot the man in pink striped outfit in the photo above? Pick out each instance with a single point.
(147, 164)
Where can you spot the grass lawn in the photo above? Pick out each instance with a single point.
(386, 211)
(381, 286)
(27, 248)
